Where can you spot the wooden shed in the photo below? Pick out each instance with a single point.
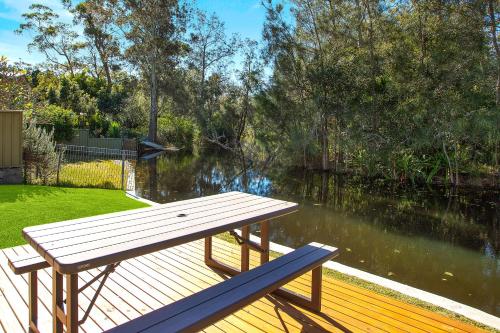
(11, 146)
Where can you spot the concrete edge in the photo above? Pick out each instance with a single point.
(440, 301)
(443, 302)
(131, 194)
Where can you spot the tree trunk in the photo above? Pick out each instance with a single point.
(107, 71)
(104, 60)
(324, 144)
(457, 173)
(359, 25)
(153, 115)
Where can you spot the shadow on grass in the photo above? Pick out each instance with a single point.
(14, 193)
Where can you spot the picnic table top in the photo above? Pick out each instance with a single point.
(82, 244)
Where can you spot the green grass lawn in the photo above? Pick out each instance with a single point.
(27, 205)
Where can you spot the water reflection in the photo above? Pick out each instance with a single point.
(439, 240)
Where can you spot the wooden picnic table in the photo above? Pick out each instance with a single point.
(78, 245)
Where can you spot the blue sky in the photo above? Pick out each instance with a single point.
(244, 17)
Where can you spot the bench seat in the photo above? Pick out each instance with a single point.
(208, 306)
(26, 262)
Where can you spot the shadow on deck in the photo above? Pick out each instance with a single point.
(146, 283)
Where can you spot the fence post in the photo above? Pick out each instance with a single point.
(123, 169)
(58, 166)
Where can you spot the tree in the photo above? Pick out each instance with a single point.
(210, 48)
(56, 40)
(493, 24)
(250, 76)
(153, 30)
(15, 89)
(316, 58)
(97, 18)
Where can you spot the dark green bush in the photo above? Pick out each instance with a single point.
(60, 119)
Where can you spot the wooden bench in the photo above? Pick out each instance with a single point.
(208, 306)
(30, 262)
(26, 262)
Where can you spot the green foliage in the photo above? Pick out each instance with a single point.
(15, 92)
(402, 91)
(178, 131)
(114, 130)
(98, 124)
(406, 94)
(61, 120)
(134, 115)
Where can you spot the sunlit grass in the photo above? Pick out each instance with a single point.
(99, 174)
(26, 205)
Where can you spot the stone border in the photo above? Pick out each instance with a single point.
(440, 301)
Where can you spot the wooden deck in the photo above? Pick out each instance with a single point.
(140, 285)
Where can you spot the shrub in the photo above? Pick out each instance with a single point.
(98, 124)
(114, 130)
(62, 120)
(40, 155)
(177, 131)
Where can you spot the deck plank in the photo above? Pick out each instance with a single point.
(146, 283)
(332, 290)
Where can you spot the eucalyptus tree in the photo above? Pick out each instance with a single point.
(210, 53)
(250, 76)
(154, 31)
(98, 20)
(59, 43)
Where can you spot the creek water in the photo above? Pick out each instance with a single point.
(440, 240)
